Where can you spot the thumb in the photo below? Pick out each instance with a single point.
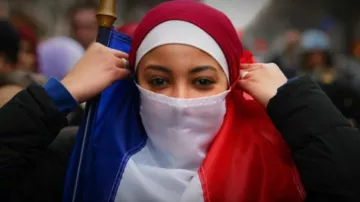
(244, 74)
(121, 74)
(244, 83)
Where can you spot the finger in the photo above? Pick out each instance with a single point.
(247, 81)
(119, 62)
(123, 64)
(122, 74)
(243, 74)
(244, 84)
(119, 54)
(246, 73)
(247, 76)
(126, 64)
(249, 67)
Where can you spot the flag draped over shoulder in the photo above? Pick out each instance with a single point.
(100, 155)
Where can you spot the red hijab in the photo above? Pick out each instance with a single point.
(248, 160)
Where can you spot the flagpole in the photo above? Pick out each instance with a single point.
(106, 17)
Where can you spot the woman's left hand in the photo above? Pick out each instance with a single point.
(261, 81)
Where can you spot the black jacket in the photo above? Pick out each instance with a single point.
(324, 146)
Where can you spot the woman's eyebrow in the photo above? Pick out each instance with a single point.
(202, 68)
(159, 68)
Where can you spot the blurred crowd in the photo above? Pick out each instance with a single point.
(310, 53)
(25, 59)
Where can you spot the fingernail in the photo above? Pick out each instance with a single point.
(243, 74)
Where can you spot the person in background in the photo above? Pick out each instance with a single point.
(9, 46)
(21, 78)
(83, 23)
(28, 46)
(317, 60)
(11, 79)
(323, 65)
(14, 81)
(288, 59)
(4, 9)
(58, 55)
(332, 73)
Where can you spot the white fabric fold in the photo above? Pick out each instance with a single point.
(180, 132)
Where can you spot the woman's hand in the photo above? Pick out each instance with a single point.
(261, 81)
(97, 69)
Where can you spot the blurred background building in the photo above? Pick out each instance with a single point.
(261, 21)
(52, 17)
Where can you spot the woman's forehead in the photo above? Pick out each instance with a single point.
(178, 54)
(179, 59)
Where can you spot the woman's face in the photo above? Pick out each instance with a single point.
(181, 71)
(27, 58)
(316, 59)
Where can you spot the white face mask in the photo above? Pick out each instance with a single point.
(181, 130)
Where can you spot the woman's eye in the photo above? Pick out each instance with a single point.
(158, 82)
(204, 82)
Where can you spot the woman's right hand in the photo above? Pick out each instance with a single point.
(96, 70)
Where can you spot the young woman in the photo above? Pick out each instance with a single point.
(200, 136)
(203, 138)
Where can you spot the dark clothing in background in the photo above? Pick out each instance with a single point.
(9, 41)
(325, 149)
(288, 65)
(345, 98)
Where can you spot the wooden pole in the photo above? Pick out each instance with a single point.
(106, 16)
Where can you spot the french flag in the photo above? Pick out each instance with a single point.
(247, 161)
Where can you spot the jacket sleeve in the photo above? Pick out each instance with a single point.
(325, 148)
(28, 125)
